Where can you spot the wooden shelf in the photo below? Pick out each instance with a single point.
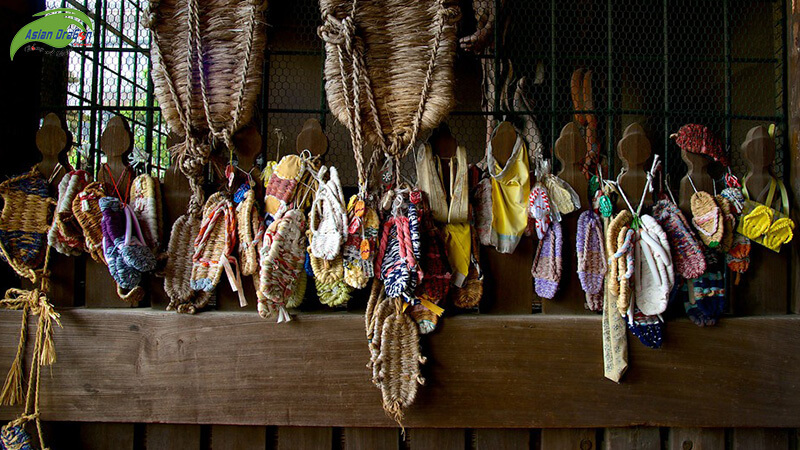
(483, 371)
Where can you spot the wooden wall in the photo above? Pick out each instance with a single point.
(498, 379)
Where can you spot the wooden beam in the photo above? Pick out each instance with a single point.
(533, 371)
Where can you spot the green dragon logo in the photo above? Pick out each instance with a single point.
(54, 29)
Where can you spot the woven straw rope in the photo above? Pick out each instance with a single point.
(24, 221)
(247, 223)
(361, 76)
(89, 218)
(178, 271)
(182, 52)
(399, 361)
(218, 243)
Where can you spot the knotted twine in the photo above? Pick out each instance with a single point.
(346, 49)
(193, 153)
(30, 302)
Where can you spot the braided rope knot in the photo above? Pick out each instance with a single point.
(337, 32)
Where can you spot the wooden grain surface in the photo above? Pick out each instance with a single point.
(310, 438)
(563, 438)
(635, 438)
(490, 439)
(436, 439)
(231, 437)
(793, 14)
(763, 289)
(507, 283)
(371, 439)
(570, 149)
(483, 371)
(696, 439)
(167, 436)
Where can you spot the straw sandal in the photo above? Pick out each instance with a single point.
(66, 235)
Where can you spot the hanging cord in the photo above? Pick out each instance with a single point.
(196, 152)
(116, 184)
(33, 302)
(648, 187)
(341, 33)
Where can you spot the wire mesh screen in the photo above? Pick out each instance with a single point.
(108, 76)
(659, 63)
(662, 64)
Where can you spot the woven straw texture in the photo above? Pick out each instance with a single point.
(400, 53)
(399, 361)
(214, 242)
(24, 221)
(247, 223)
(146, 200)
(282, 256)
(232, 34)
(65, 234)
(178, 271)
(87, 212)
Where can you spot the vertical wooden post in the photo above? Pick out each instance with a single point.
(52, 140)
(508, 285)
(507, 439)
(371, 439)
(634, 150)
(436, 439)
(793, 141)
(231, 437)
(162, 435)
(104, 436)
(577, 438)
(304, 437)
(639, 438)
(570, 150)
(696, 439)
(760, 439)
(763, 289)
(116, 142)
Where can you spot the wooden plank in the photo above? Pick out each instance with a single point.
(764, 288)
(760, 439)
(102, 436)
(101, 291)
(160, 435)
(63, 279)
(570, 299)
(507, 439)
(634, 151)
(636, 438)
(436, 439)
(231, 437)
(88, 436)
(310, 438)
(371, 439)
(116, 140)
(696, 439)
(508, 284)
(214, 368)
(577, 438)
(793, 160)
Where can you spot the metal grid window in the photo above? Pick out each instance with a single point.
(660, 63)
(112, 76)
